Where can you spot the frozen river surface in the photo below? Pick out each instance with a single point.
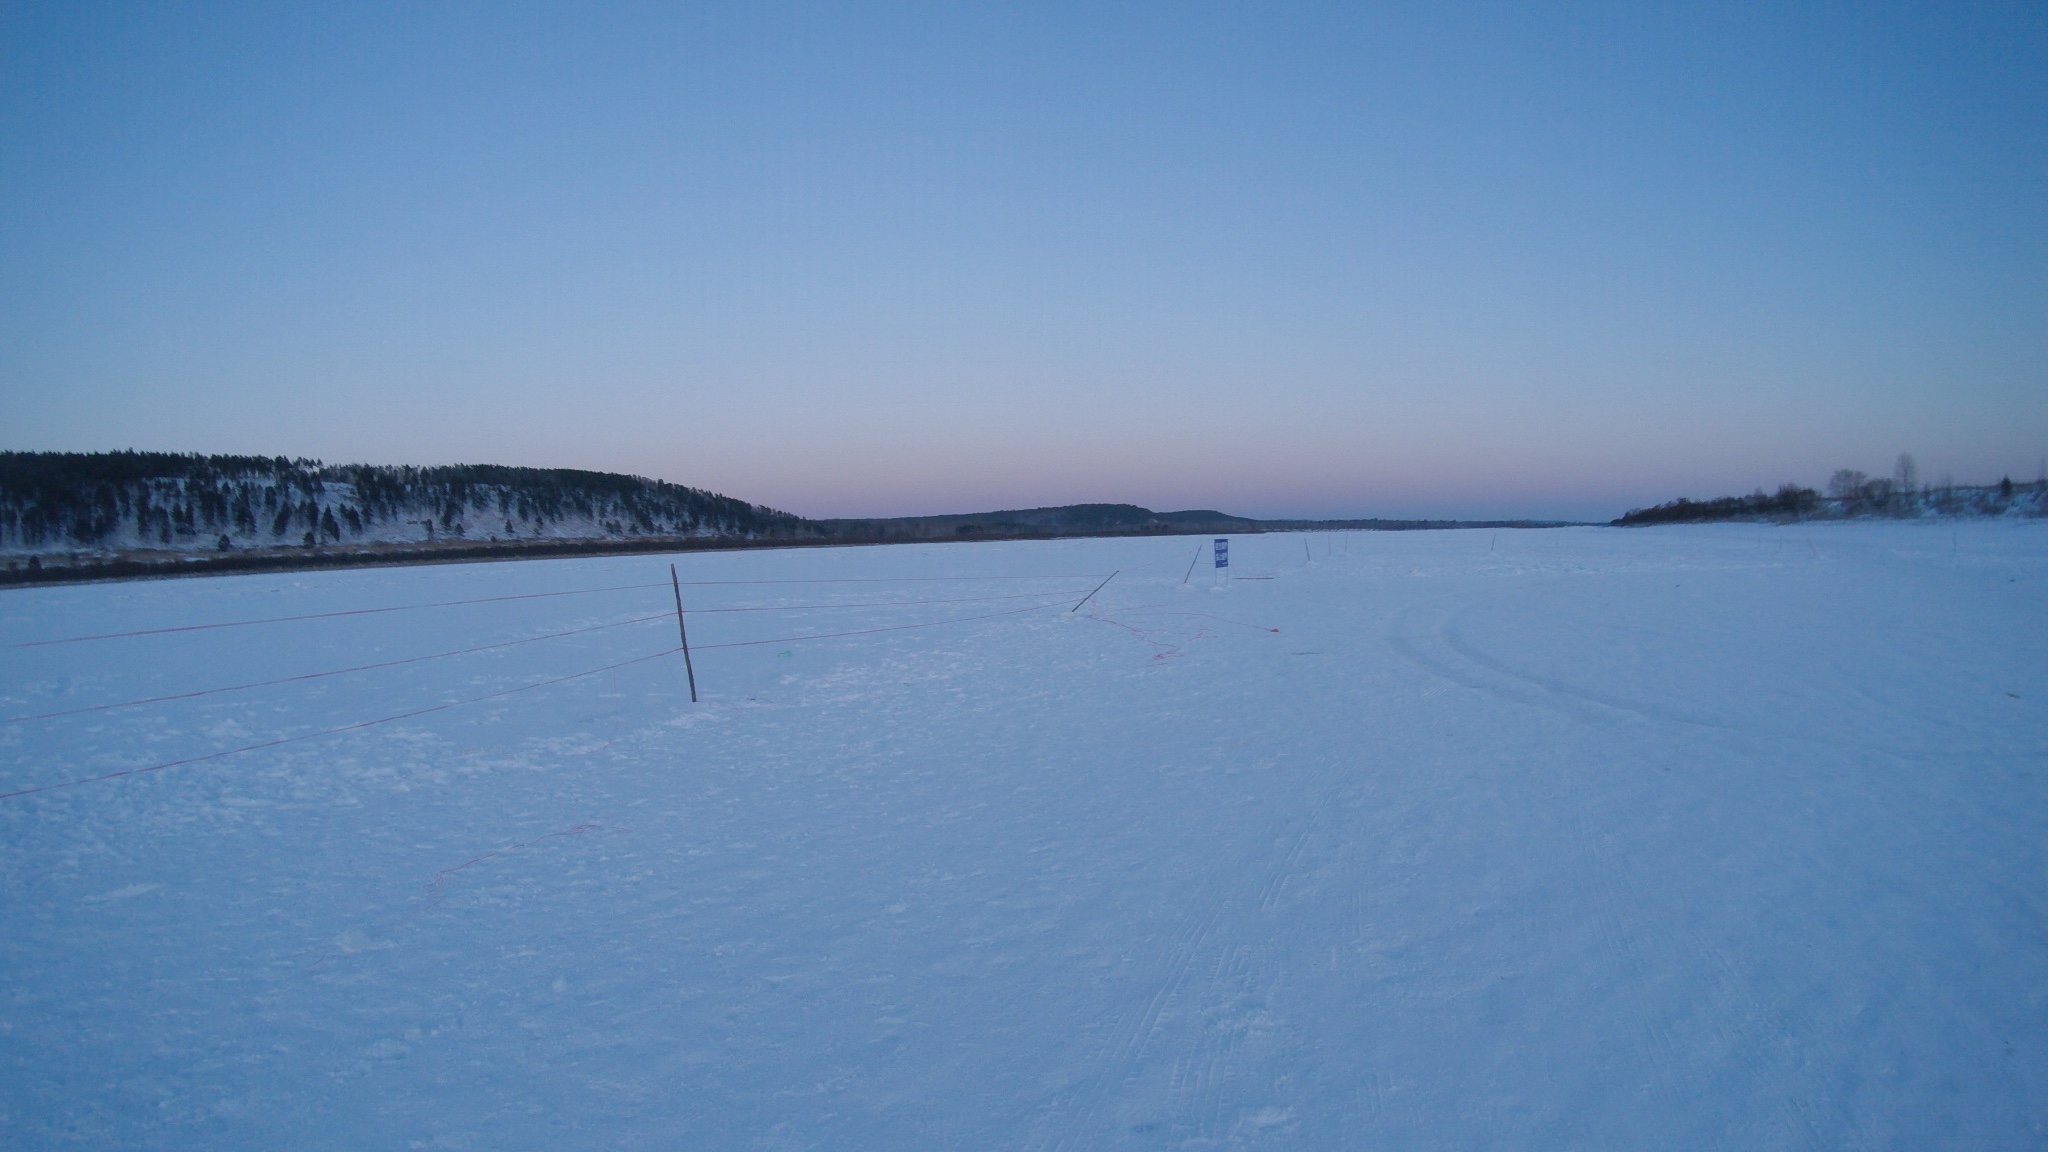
(1714, 837)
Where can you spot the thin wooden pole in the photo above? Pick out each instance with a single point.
(1098, 588)
(682, 632)
(1191, 565)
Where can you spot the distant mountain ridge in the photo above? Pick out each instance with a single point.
(67, 515)
(1067, 519)
(1123, 519)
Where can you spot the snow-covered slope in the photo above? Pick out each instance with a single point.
(106, 504)
(1706, 837)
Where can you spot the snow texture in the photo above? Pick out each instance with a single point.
(1700, 837)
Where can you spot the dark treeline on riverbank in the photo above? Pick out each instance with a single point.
(1854, 495)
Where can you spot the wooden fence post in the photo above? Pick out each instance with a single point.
(682, 632)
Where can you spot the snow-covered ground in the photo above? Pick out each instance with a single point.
(1710, 837)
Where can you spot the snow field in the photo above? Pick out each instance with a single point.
(1698, 837)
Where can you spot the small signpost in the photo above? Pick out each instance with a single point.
(1222, 555)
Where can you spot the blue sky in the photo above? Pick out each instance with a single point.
(1281, 260)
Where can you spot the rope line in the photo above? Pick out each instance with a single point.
(1161, 650)
(335, 672)
(500, 600)
(431, 709)
(893, 579)
(438, 894)
(872, 631)
(1171, 608)
(1224, 619)
(443, 874)
(321, 616)
(333, 731)
(879, 603)
(492, 647)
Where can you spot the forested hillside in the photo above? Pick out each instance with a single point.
(120, 501)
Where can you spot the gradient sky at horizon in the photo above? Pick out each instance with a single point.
(1433, 260)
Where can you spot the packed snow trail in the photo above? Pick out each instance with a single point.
(1705, 837)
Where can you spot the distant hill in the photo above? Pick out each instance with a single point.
(1121, 520)
(1067, 520)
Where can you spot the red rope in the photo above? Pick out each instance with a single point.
(890, 579)
(507, 692)
(1179, 611)
(872, 631)
(491, 647)
(1226, 620)
(500, 600)
(881, 603)
(1161, 650)
(320, 616)
(327, 952)
(444, 873)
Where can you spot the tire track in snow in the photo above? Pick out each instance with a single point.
(1655, 1043)
(1609, 894)
(1553, 692)
(1462, 662)
(1454, 639)
(1449, 669)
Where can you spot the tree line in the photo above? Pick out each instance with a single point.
(1853, 494)
(160, 499)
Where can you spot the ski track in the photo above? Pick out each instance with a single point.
(1182, 1003)
(1116, 1067)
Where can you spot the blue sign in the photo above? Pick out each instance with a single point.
(1222, 552)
